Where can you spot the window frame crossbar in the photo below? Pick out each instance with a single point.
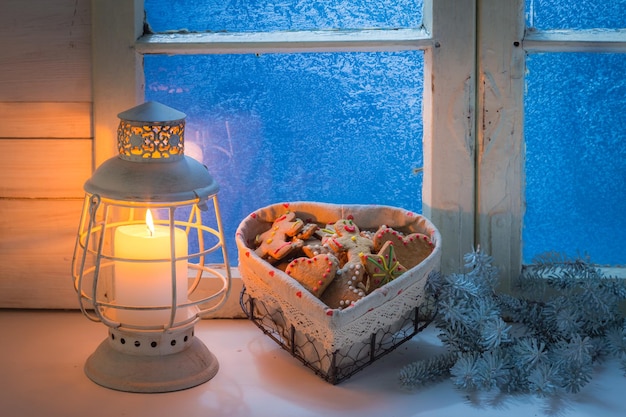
(365, 40)
(585, 40)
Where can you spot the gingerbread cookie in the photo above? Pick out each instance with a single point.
(345, 289)
(307, 231)
(274, 244)
(319, 245)
(348, 240)
(382, 267)
(316, 247)
(410, 249)
(315, 274)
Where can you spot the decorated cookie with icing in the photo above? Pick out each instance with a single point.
(345, 289)
(275, 243)
(307, 232)
(314, 248)
(348, 240)
(315, 274)
(319, 244)
(343, 263)
(410, 250)
(382, 267)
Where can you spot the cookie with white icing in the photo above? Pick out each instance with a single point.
(346, 289)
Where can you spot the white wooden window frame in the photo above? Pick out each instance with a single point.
(474, 65)
(503, 44)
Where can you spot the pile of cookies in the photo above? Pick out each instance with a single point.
(339, 263)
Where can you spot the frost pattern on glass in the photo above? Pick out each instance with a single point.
(575, 129)
(578, 14)
(269, 15)
(341, 128)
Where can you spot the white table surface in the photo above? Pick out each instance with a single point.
(41, 375)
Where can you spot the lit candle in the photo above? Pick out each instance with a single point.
(145, 284)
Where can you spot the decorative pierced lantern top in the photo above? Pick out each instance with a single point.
(151, 165)
(151, 131)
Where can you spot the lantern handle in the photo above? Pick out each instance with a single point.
(94, 203)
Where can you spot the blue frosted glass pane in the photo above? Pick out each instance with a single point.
(342, 128)
(575, 130)
(269, 15)
(578, 14)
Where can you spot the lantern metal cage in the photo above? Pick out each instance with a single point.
(95, 261)
(151, 281)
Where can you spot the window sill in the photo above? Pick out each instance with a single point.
(44, 352)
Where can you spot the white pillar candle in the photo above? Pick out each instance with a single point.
(146, 284)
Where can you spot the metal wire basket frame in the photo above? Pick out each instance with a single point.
(339, 365)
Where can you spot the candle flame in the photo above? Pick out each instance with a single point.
(149, 222)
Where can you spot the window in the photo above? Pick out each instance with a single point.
(574, 130)
(576, 156)
(272, 16)
(447, 188)
(340, 127)
(472, 76)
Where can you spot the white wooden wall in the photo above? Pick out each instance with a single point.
(46, 139)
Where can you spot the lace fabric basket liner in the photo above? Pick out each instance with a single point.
(335, 329)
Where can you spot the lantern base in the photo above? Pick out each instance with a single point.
(120, 371)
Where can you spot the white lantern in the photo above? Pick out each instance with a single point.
(142, 252)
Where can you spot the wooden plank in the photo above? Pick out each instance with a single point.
(44, 168)
(45, 120)
(36, 250)
(500, 134)
(449, 126)
(46, 50)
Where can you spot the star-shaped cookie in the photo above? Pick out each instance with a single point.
(382, 267)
